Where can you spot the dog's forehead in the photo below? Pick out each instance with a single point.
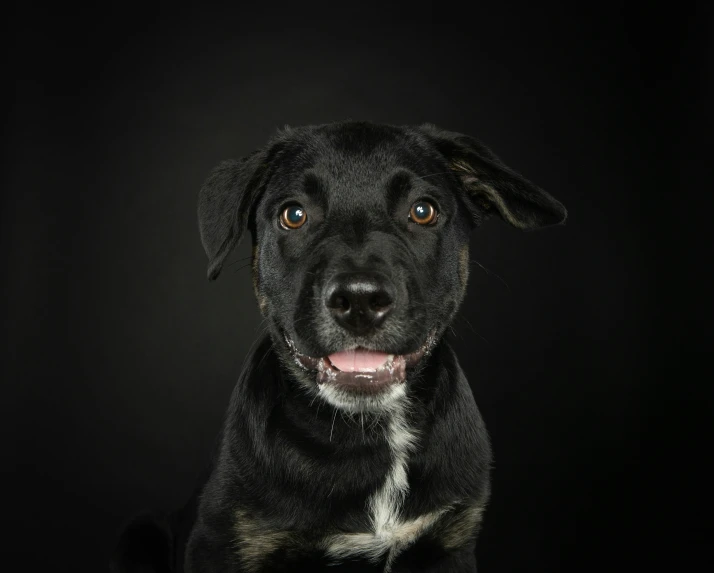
(352, 164)
(342, 171)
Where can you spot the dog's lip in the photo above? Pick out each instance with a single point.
(393, 370)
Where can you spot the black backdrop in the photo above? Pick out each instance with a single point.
(120, 356)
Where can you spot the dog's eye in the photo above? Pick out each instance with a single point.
(293, 217)
(423, 212)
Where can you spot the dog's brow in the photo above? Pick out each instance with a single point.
(313, 186)
(309, 184)
(398, 185)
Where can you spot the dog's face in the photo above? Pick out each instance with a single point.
(360, 236)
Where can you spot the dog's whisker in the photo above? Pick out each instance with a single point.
(239, 260)
(262, 329)
(490, 272)
(348, 420)
(265, 355)
(474, 330)
(334, 416)
(245, 266)
(375, 423)
(434, 174)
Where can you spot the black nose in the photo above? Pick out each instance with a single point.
(359, 301)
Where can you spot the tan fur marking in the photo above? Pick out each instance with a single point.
(464, 268)
(463, 527)
(459, 165)
(488, 195)
(254, 541)
(262, 301)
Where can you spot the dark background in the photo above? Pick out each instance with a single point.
(120, 356)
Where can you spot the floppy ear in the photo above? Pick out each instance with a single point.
(493, 186)
(224, 204)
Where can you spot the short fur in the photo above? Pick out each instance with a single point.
(312, 478)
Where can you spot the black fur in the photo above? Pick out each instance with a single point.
(292, 467)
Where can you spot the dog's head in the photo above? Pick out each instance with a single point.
(360, 244)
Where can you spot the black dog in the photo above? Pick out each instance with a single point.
(352, 440)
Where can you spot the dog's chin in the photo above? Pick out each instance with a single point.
(361, 380)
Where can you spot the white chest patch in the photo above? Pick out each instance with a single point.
(389, 535)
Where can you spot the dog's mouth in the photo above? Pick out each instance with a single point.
(361, 370)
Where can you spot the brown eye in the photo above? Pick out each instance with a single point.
(293, 217)
(423, 212)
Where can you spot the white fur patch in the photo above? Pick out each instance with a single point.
(390, 535)
(391, 541)
(348, 401)
(385, 504)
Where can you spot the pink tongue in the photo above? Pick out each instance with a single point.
(357, 360)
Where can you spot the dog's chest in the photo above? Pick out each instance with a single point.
(388, 533)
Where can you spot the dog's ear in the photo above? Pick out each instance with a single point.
(493, 186)
(224, 205)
